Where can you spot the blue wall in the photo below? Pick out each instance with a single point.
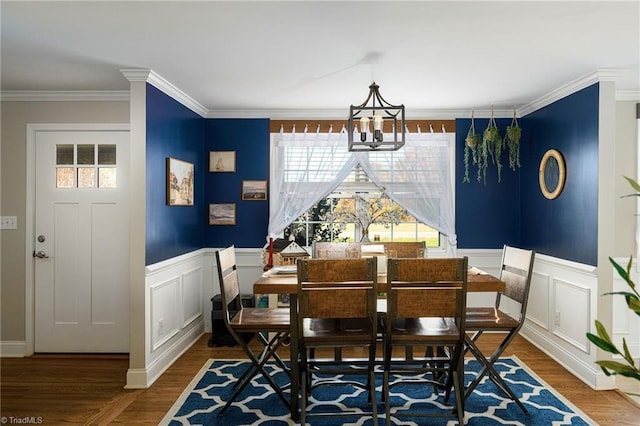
(515, 211)
(249, 138)
(566, 227)
(487, 216)
(173, 131)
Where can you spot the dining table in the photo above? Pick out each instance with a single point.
(285, 281)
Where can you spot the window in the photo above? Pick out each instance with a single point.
(85, 166)
(324, 221)
(314, 175)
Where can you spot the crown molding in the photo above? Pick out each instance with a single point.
(604, 74)
(136, 74)
(167, 88)
(149, 76)
(61, 95)
(486, 113)
(628, 95)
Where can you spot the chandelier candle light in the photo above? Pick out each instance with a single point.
(378, 111)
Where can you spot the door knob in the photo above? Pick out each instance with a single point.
(40, 254)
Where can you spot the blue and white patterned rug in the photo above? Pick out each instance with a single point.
(259, 405)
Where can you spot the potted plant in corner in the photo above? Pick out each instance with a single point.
(628, 367)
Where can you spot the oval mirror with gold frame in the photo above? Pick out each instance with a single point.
(552, 174)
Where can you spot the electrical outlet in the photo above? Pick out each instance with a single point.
(160, 326)
(556, 318)
(9, 222)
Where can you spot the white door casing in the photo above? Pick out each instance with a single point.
(81, 279)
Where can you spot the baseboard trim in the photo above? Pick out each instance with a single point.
(143, 378)
(13, 349)
(589, 373)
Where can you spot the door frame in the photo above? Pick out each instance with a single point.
(30, 218)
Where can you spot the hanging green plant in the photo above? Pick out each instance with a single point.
(482, 155)
(472, 138)
(493, 145)
(470, 149)
(512, 140)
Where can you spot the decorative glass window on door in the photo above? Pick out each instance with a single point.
(86, 166)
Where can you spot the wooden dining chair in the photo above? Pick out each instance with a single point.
(426, 302)
(515, 271)
(337, 309)
(338, 269)
(260, 321)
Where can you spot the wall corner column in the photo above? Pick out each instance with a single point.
(139, 307)
(606, 215)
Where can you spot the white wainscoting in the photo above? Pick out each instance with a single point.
(179, 293)
(165, 311)
(538, 311)
(562, 306)
(175, 309)
(570, 323)
(626, 324)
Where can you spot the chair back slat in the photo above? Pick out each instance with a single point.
(336, 270)
(420, 270)
(231, 286)
(516, 285)
(228, 278)
(335, 302)
(226, 258)
(516, 270)
(426, 301)
(517, 258)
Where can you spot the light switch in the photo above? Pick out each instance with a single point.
(9, 222)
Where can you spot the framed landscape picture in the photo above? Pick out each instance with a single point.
(254, 190)
(222, 214)
(222, 161)
(179, 182)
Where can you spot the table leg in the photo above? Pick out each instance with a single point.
(294, 356)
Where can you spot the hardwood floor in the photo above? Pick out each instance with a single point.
(90, 389)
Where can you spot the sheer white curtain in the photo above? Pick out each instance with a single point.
(306, 167)
(419, 178)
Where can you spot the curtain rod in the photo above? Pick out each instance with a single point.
(434, 126)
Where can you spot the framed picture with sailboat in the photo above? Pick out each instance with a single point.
(222, 161)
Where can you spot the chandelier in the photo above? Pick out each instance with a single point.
(384, 116)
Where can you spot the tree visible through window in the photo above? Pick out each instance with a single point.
(365, 214)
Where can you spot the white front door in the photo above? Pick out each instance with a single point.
(81, 255)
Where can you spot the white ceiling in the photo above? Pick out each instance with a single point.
(319, 55)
